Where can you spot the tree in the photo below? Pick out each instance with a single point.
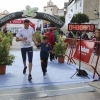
(80, 18)
(60, 17)
(52, 24)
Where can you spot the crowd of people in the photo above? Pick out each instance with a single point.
(78, 34)
(95, 36)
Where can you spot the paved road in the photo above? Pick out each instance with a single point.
(81, 96)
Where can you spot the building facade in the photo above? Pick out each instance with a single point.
(53, 9)
(4, 13)
(85, 6)
(76, 6)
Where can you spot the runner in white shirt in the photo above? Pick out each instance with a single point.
(25, 36)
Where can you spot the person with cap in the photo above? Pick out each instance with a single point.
(51, 40)
(25, 36)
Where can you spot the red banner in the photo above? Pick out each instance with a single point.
(86, 51)
(21, 22)
(16, 22)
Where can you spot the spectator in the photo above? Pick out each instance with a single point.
(71, 35)
(97, 34)
(61, 32)
(51, 40)
(56, 33)
(84, 36)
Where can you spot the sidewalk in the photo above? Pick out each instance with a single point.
(81, 96)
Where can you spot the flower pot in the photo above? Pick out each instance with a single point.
(61, 59)
(2, 69)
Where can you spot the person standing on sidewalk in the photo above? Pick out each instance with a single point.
(25, 36)
(97, 34)
(51, 40)
(56, 34)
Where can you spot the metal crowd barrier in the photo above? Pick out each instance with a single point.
(87, 55)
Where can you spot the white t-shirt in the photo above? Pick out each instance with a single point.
(22, 33)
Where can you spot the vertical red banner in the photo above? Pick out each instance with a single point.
(86, 51)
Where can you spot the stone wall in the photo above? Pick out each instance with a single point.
(89, 6)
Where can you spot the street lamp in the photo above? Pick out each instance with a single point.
(96, 12)
(65, 10)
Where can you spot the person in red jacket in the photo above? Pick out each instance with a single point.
(51, 40)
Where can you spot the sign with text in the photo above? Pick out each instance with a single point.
(20, 22)
(86, 51)
(81, 27)
(15, 25)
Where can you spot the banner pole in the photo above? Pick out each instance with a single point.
(79, 72)
(80, 55)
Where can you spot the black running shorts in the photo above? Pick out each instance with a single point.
(24, 51)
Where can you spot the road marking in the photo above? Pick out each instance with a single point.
(42, 91)
(69, 88)
(20, 93)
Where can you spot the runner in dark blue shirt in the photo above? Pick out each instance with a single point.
(44, 54)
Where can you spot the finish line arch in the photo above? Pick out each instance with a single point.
(32, 13)
(44, 16)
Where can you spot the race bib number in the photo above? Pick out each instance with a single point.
(27, 43)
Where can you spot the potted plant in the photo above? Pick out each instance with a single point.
(38, 36)
(5, 57)
(10, 35)
(59, 50)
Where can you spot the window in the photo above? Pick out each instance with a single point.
(80, 3)
(71, 10)
(76, 5)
